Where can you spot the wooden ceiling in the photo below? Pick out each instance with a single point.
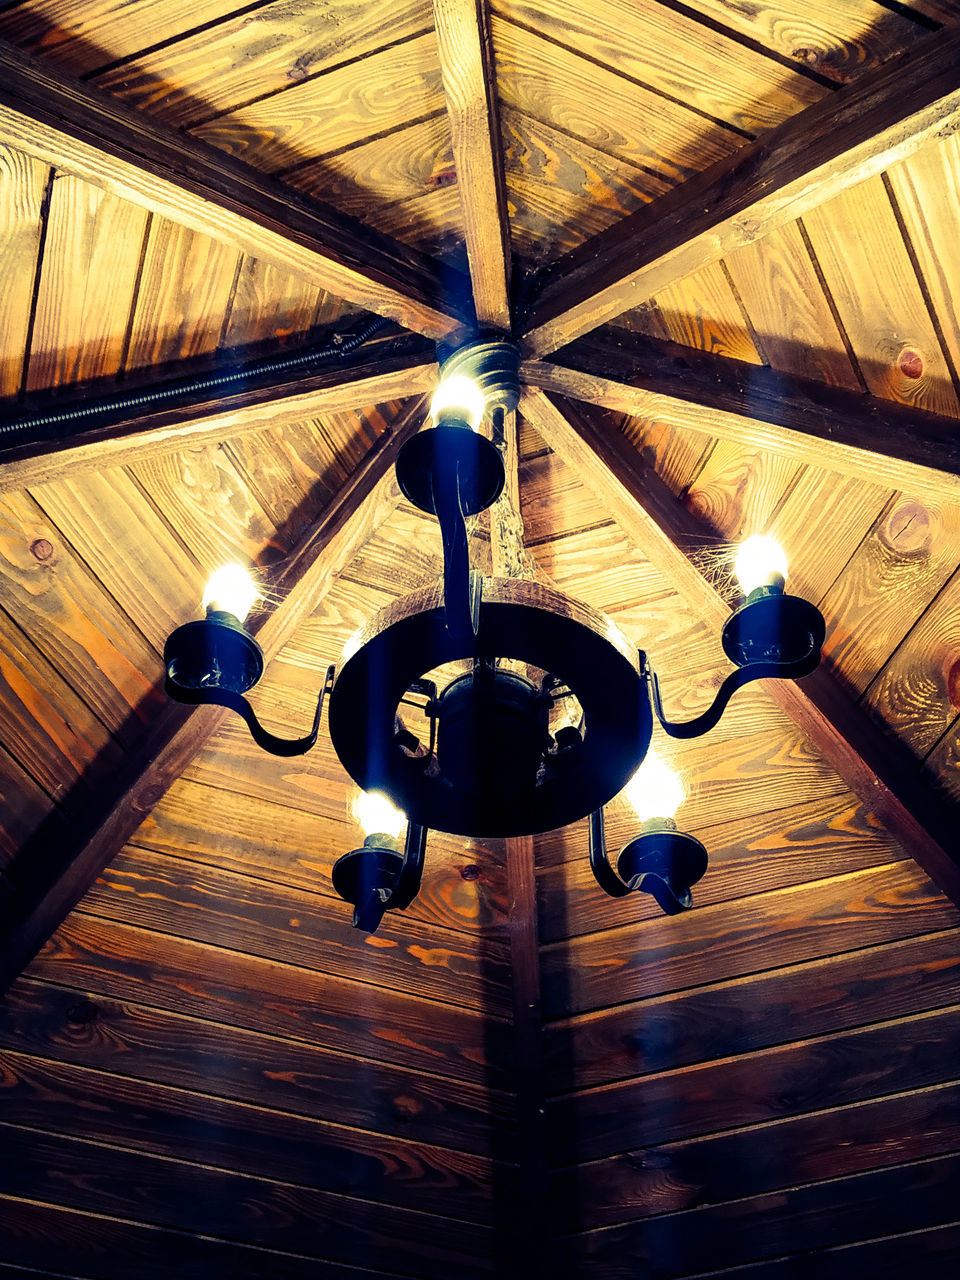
(724, 234)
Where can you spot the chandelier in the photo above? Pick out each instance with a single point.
(490, 706)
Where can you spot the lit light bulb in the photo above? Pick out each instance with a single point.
(759, 561)
(459, 393)
(654, 791)
(231, 590)
(377, 815)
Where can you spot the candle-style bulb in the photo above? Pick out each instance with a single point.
(654, 791)
(460, 395)
(231, 590)
(760, 562)
(377, 815)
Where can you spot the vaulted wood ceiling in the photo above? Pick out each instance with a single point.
(724, 234)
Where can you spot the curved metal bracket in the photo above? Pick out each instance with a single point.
(238, 703)
(459, 594)
(735, 680)
(608, 879)
(408, 881)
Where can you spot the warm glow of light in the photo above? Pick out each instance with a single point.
(376, 814)
(758, 561)
(654, 791)
(231, 590)
(460, 393)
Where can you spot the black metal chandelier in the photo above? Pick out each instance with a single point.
(487, 706)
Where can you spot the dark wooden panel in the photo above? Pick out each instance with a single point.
(746, 1162)
(276, 1145)
(23, 807)
(852, 1066)
(711, 943)
(904, 1198)
(109, 1248)
(261, 995)
(750, 853)
(172, 895)
(155, 1046)
(725, 1018)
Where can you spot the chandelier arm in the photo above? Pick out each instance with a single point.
(735, 680)
(237, 702)
(408, 881)
(608, 879)
(458, 601)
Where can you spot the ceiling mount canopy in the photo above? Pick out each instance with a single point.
(491, 706)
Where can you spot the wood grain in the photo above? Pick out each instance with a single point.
(269, 303)
(729, 1017)
(22, 183)
(87, 282)
(154, 167)
(862, 436)
(871, 278)
(144, 1045)
(329, 112)
(859, 909)
(702, 311)
(857, 132)
(470, 92)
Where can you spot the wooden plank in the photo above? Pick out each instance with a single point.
(746, 1162)
(23, 808)
(908, 556)
(749, 854)
(901, 1198)
(810, 1075)
(736, 1016)
(123, 151)
(100, 957)
(876, 770)
(469, 88)
(87, 282)
(680, 58)
(184, 295)
(738, 489)
(857, 132)
(463, 883)
(312, 930)
(269, 303)
(788, 309)
(856, 435)
(548, 82)
(860, 909)
(22, 184)
(409, 162)
(248, 1208)
(702, 311)
(179, 735)
(258, 53)
(920, 190)
(377, 374)
(147, 1045)
(73, 621)
(836, 42)
(867, 267)
(334, 110)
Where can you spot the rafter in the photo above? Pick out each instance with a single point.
(48, 885)
(80, 131)
(877, 770)
(845, 431)
(469, 85)
(384, 370)
(878, 120)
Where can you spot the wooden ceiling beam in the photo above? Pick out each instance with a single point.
(50, 879)
(875, 768)
(78, 130)
(383, 370)
(890, 444)
(881, 118)
(469, 86)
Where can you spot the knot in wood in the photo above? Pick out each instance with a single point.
(41, 549)
(82, 1013)
(910, 363)
(471, 872)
